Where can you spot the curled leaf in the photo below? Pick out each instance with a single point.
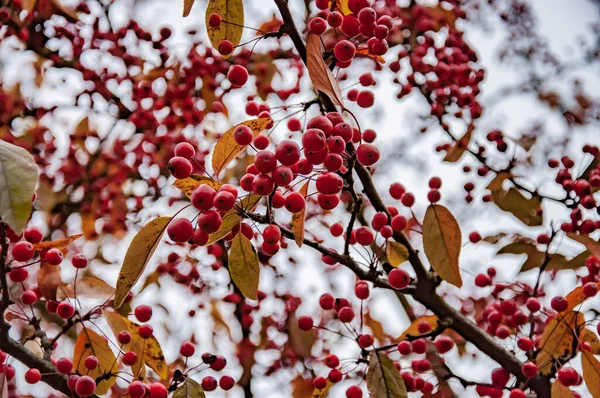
(226, 149)
(56, 244)
(243, 266)
(396, 253)
(591, 373)
(320, 75)
(383, 379)
(187, 7)
(91, 343)
(460, 146)
(232, 27)
(138, 254)
(48, 280)
(299, 218)
(442, 242)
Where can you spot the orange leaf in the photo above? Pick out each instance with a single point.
(56, 244)
(226, 149)
(396, 253)
(320, 74)
(496, 183)
(364, 52)
(557, 339)
(592, 339)
(560, 391)
(576, 297)
(91, 343)
(413, 329)
(341, 6)
(455, 153)
(442, 242)
(591, 373)
(48, 280)
(299, 218)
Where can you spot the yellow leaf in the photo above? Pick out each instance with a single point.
(592, 339)
(189, 389)
(138, 254)
(232, 13)
(187, 7)
(513, 201)
(576, 297)
(456, 151)
(413, 329)
(89, 287)
(243, 266)
(226, 149)
(560, 391)
(340, 6)
(442, 242)
(48, 280)
(383, 379)
(118, 323)
(91, 343)
(396, 253)
(320, 75)
(376, 327)
(557, 339)
(591, 373)
(299, 217)
(148, 350)
(233, 218)
(188, 185)
(591, 244)
(56, 244)
(323, 393)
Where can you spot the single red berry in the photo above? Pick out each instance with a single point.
(214, 20)
(294, 202)
(590, 289)
(529, 369)
(124, 337)
(180, 230)
(203, 197)
(361, 290)
(305, 323)
(398, 278)
(344, 50)
(443, 344)
(408, 199)
(33, 235)
(157, 390)
(517, 393)
(568, 377)
(136, 389)
(405, 347)
(319, 383)
(525, 343)
(145, 331)
(180, 167)
(237, 75)
(33, 376)
(326, 301)
(210, 222)
(143, 313)
(346, 314)
(29, 297)
(317, 26)
(185, 150)
(559, 303)
(335, 375)
(23, 251)
(79, 261)
(365, 340)
(243, 135)
(64, 365)
(91, 362)
(474, 237)
(53, 257)
(65, 310)
(85, 386)
(130, 358)
(354, 392)
(226, 383)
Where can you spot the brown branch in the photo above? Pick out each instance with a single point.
(425, 290)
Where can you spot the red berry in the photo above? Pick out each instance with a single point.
(559, 303)
(226, 383)
(33, 376)
(185, 150)
(124, 337)
(500, 377)
(529, 369)
(224, 201)
(53, 257)
(335, 375)
(408, 199)
(346, 314)
(136, 389)
(237, 75)
(590, 289)
(214, 20)
(180, 230)
(568, 376)
(180, 167)
(33, 235)
(294, 202)
(272, 234)
(243, 135)
(317, 26)
(287, 153)
(91, 362)
(305, 323)
(130, 358)
(187, 349)
(23, 251)
(29, 297)
(85, 386)
(64, 365)
(354, 392)
(517, 393)
(145, 331)
(157, 390)
(319, 383)
(398, 278)
(525, 343)
(365, 99)
(210, 222)
(65, 310)
(365, 340)
(313, 140)
(483, 280)
(474, 237)
(443, 344)
(361, 290)
(399, 223)
(344, 50)
(79, 261)
(143, 313)
(326, 301)
(405, 347)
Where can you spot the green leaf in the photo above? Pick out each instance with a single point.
(138, 254)
(18, 177)
(513, 201)
(383, 379)
(243, 266)
(396, 253)
(442, 242)
(189, 389)
(231, 11)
